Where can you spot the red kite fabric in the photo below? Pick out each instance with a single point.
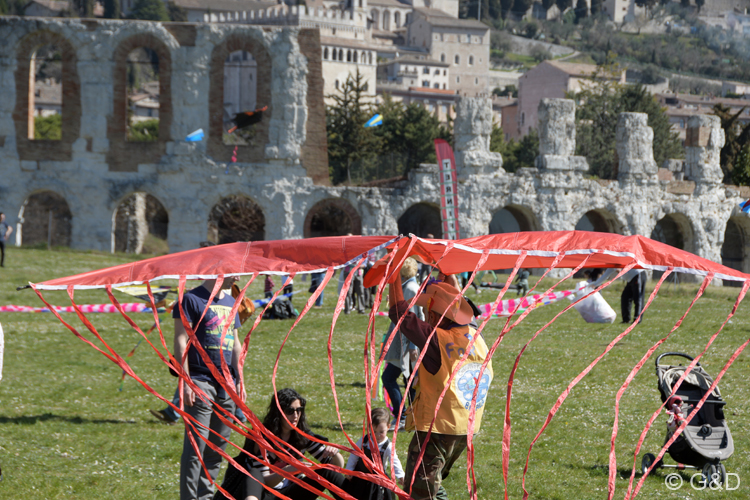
(564, 252)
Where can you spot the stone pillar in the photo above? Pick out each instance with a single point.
(635, 149)
(557, 136)
(472, 129)
(703, 143)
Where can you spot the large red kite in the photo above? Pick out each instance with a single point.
(564, 252)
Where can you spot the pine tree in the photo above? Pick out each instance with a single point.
(350, 144)
(736, 137)
(596, 7)
(582, 10)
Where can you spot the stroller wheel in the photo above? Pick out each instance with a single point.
(710, 475)
(646, 461)
(722, 474)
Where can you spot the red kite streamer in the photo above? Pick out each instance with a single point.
(553, 251)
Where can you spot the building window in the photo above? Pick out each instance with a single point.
(325, 53)
(355, 56)
(426, 70)
(396, 19)
(337, 84)
(436, 85)
(445, 72)
(458, 79)
(471, 60)
(457, 60)
(444, 86)
(240, 91)
(476, 81)
(333, 31)
(426, 84)
(442, 58)
(143, 93)
(348, 56)
(437, 72)
(369, 58)
(47, 94)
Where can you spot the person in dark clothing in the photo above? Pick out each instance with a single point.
(5, 231)
(243, 487)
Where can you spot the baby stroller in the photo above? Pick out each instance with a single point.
(706, 440)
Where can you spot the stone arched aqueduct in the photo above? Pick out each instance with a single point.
(93, 168)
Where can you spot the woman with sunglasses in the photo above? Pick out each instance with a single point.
(244, 487)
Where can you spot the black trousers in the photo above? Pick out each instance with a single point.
(633, 293)
(2, 253)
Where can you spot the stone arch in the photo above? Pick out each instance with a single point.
(676, 230)
(255, 150)
(236, 218)
(512, 219)
(599, 220)
(735, 251)
(421, 219)
(35, 150)
(332, 217)
(45, 216)
(124, 155)
(348, 56)
(355, 57)
(386, 20)
(325, 53)
(375, 16)
(140, 224)
(397, 19)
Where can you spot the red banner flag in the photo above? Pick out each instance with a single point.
(448, 190)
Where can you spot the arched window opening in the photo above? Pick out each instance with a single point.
(45, 220)
(240, 94)
(471, 60)
(442, 58)
(355, 56)
(512, 219)
(348, 56)
(45, 94)
(674, 230)
(387, 20)
(369, 58)
(325, 53)
(375, 16)
(457, 59)
(397, 19)
(140, 225)
(143, 95)
(735, 251)
(600, 221)
(332, 217)
(421, 219)
(236, 218)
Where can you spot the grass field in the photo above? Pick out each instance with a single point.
(66, 431)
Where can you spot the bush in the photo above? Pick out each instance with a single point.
(48, 128)
(145, 131)
(540, 53)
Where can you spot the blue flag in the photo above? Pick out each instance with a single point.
(196, 136)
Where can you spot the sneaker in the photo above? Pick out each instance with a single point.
(160, 415)
(401, 424)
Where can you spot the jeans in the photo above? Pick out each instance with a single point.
(194, 484)
(633, 293)
(174, 416)
(390, 376)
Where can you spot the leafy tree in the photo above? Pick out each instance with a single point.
(520, 7)
(736, 137)
(509, 91)
(648, 4)
(149, 10)
(176, 13)
(685, 3)
(495, 9)
(516, 154)
(547, 4)
(48, 128)
(596, 7)
(741, 172)
(600, 106)
(506, 6)
(410, 133)
(83, 8)
(112, 9)
(349, 142)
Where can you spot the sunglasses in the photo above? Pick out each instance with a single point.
(292, 411)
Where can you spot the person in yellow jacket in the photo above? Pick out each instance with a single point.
(444, 353)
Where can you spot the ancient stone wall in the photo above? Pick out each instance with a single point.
(281, 180)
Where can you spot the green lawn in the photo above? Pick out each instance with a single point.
(67, 432)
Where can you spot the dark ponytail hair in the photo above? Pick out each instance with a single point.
(274, 417)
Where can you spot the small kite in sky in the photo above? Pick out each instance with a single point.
(196, 136)
(374, 121)
(246, 118)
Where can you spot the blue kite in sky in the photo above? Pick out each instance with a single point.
(374, 121)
